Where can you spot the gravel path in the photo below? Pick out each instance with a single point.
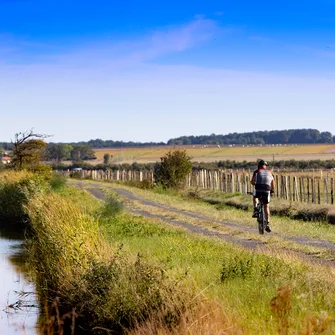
(95, 190)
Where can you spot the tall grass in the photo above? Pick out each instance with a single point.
(107, 288)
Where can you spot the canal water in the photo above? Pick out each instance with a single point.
(18, 305)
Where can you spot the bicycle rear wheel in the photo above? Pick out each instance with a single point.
(261, 220)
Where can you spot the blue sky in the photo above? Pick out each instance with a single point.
(154, 70)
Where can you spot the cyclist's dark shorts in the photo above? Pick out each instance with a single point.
(264, 195)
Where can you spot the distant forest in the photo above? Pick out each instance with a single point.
(290, 136)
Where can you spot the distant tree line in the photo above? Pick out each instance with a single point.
(98, 143)
(291, 136)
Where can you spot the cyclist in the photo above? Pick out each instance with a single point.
(263, 181)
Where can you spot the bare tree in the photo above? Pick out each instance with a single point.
(28, 148)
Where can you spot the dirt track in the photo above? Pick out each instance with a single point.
(95, 189)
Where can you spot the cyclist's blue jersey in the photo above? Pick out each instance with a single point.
(263, 180)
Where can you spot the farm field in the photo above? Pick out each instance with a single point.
(216, 153)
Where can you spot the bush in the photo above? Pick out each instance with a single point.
(16, 189)
(173, 169)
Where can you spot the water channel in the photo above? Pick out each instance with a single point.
(18, 306)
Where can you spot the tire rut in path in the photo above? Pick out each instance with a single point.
(249, 244)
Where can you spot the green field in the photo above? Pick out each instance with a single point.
(216, 153)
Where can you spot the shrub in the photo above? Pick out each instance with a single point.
(15, 191)
(173, 169)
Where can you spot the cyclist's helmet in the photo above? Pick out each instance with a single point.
(261, 163)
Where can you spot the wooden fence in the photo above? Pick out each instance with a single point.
(303, 188)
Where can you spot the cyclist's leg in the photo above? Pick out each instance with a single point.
(267, 211)
(254, 199)
(255, 203)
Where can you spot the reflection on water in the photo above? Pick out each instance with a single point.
(18, 311)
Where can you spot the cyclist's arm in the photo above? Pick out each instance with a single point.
(272, 184)
(253, 179)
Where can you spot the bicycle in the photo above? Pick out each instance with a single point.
(261, 219)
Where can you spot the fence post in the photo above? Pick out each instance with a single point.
(300, 188)
(296, 189)
(246, 184)
(325, 189)
(308, 189)
(224, 182)
(313, 190)
(289, 188)
(303, 189)
(332, 191)
(319, 200)
(216, 175)
(281, 187)
(286, 188)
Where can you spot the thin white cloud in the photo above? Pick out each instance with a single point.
(159, 42)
